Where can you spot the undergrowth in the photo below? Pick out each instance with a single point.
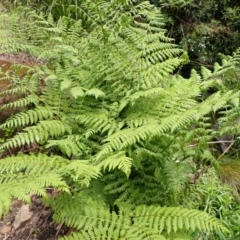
(105, 120)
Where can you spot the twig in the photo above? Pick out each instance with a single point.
(187, 23)
(6, 237)
(225, 151)
(214, 142)
(59, 228)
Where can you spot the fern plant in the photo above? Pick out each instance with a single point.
(94, 220)
(30, 174)
(72, 84)
(110, 97)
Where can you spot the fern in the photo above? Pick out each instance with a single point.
(119, 161)
(143, 221)
(29, 174)
(63, 89)
(105, 93)
(176, 175)
(28, 118)
(39, 133)
(24, 175)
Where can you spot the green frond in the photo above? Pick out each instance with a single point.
(13, 90)
(127, 137)
(15, 32)
(24, 175)
(39, 133)
(23, 102)
(119, 161)
(180, 236)
(176, 175)
(81, 172)
(69, 146)
(146, 93)
(219, 70)
(172, 219)
(133, 233)
(28, 118)
(135, 120)
(95, 119)
(95, 93)
(31, 163)
(143, 222)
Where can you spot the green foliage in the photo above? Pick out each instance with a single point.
(210, 195)
(24, 175)
(94, 220)
(104, 91)
(203, 29)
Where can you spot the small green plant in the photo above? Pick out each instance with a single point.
(217, 199)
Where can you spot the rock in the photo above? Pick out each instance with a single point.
(22, 217)
(6, 229)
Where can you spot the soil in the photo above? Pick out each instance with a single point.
(20, 58)
(25, 222)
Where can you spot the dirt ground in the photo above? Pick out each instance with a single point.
(34, 222)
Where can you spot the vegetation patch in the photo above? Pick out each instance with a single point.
(101, 115)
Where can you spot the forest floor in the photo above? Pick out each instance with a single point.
(34, 222)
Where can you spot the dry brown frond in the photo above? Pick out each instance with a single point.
(230, 174)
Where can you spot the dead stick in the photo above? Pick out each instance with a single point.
(59, 228)
(225, 151)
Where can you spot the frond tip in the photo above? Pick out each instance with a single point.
(173, 219)
(118, 160)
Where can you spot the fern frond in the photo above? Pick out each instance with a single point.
(39, 133)
(25, 175)
(172, 219)
(23, 102)
(69, 146)
(176, 175)
(133, 233)
(118, 160)
(28, 118)
(81, 172)
(126, 137)
(95, 92)
(29, 174)
(143, 222)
